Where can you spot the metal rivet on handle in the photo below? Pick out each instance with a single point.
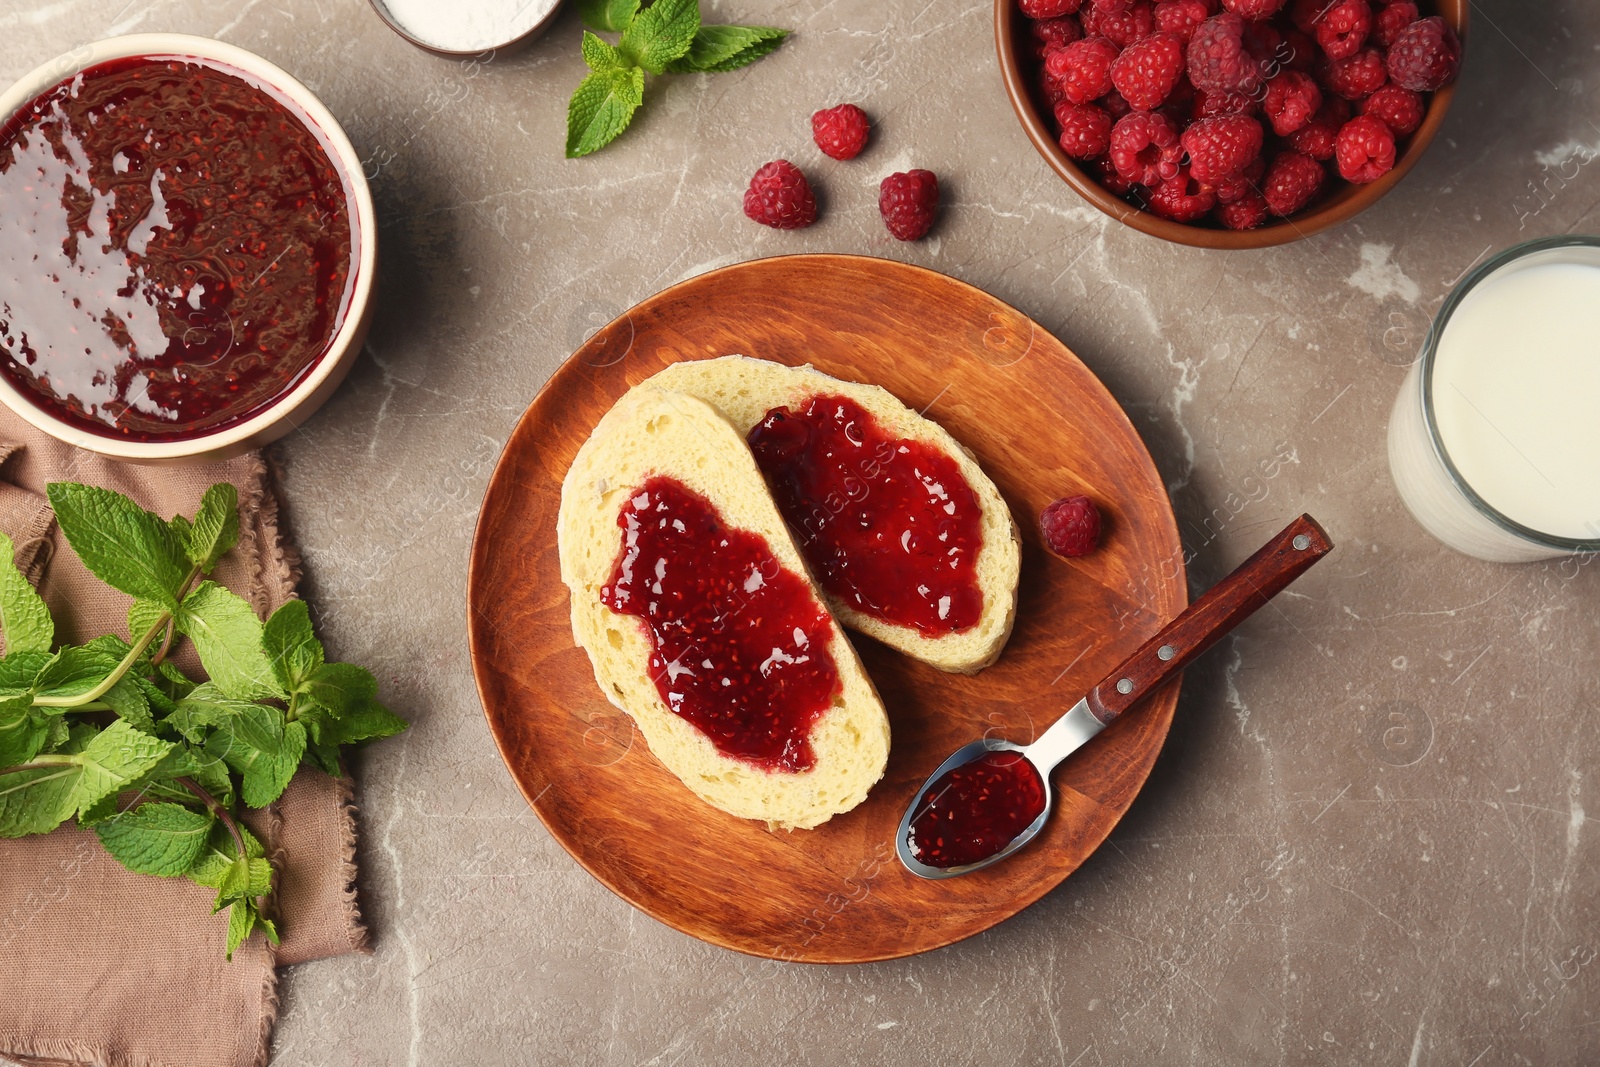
(1166, 652)
(1125, 686)
(1302, 542)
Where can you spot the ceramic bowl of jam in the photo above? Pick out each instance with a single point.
(189, 249)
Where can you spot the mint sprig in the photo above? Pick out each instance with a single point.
(113, 734)
(665, 37)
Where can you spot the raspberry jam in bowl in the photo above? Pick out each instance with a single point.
(188, 259)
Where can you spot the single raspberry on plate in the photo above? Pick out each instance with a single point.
(1050, 35)
(1217, 58)
(1255, 10)
(1365, 151)
(1221, 147)
(1207, 104)
(840, 132)
(1145, 148)
(1400, 109)
(1082, 70)
(1292, 98)
(1071, 526)
(1390, 20)
(1246, 213)
(1238, 186)
(1182, 198)
(1425, 56)
(1318, 137)
(1182, 16)
(1357, 76)
(779, 196)
(1147, 71)
(1123, 28)
(1290, 182)
(909, 201)
(1085, 130)
(1048, 9)
(1342, 29)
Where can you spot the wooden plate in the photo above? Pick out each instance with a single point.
(1043, 427)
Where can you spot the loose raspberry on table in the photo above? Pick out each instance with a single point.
(1085, 130)
(1082, 70)
(1217, 58)
(1390, 20)
(1147, 71)
(1318, 137)
(1207, 104)
(1425, 56)
(1246, 213)
(1221, 147)
(909, 200)
(1255, 10)
(1290, 182)
(1182, 16)
(1071, 526)
(1365, 150)
(1357, 76)
(1182, 198)
(779, 196)
(1343, 28)
(1050, 35)
(1123, 28)
(841, 132)
(1145, 148)
(1238, 186)
(1048, 9)
(1292, 98)
(1400, 109)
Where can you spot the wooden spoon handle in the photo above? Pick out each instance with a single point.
(1224, 606)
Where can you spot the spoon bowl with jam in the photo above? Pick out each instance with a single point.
(991, 797)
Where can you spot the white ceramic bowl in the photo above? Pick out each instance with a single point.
(294, 407)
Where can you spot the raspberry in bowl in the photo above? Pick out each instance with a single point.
(1230, 123)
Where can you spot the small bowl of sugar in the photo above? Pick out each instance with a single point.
(467, 27)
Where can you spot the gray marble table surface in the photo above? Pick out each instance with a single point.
(1365, 841)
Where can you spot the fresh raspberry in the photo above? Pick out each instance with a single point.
(779, 196)
(1106, 174)
(1318, 137)
(1290, 182)
(1357, 76)
(1246, 213)
(1303, 14)
(1123, 28)
(841, 132)
(1048, 9)
(1207, 104)
(1182, 198)
(1181, 16)
(1050, 35)
(1109, 7)
(1082, 70)
(1292, 98)
(1217, 58)
(1071, 526)
(1365, 151)
(1400, 109)
(1148, 70)
(908, 201)
(1145, 148)
(1342, 29)
(1221, 147)
(1390, 20)
(1238, 186)
(1425, 56)
(1085, 130)
(1255, 10)
(1115, 105)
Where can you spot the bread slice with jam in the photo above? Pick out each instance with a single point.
(702, 622)
(902, 605)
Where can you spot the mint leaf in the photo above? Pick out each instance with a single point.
(340, 687)
(227, 634)
(159, 839)
(215, 528)
(235, 883)
(117, 756)
(204, 707)
(257, 742)
(36, 801)
(74, 672)
(601, 56)
(124, 545)
(19, 673)
(241, 920)
(23, 731)
(369, 722)
(661, 33)
(724, 48)
(601, 108)
(612, 16)
(291, 645)
(220, 852)
(23, 616)
(142, 616)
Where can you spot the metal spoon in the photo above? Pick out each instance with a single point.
(1224, 606)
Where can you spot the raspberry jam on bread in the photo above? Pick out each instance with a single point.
(739, 644)
(975, 810)
(890, 526)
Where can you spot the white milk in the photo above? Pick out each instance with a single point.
(1516, 401)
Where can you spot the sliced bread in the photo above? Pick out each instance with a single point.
(653, 433)
(745, 389)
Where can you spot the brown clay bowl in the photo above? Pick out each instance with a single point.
(1017, 69)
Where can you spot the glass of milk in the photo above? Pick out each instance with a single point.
(1494, 442)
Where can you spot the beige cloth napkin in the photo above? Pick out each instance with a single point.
(102, 966)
